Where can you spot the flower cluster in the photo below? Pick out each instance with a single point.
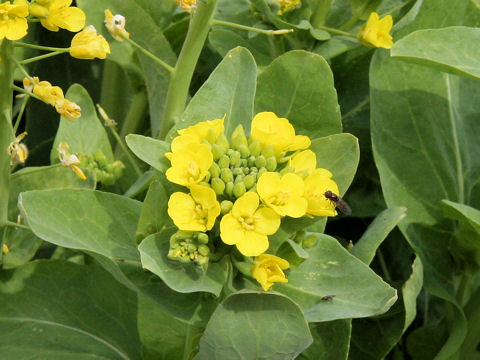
(288, 5)
(187, 5)
(242, 188)
(105, 173)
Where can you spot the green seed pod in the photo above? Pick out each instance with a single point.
(239, 189)
(229, 188)
(249, 181)
(224, 162)
(268, 151)
(260, 161)
(255, 148)
(203, 250)
(244, 151)
(214, 170)
(226, 206)
(218, 151)
(226, 175)
(202, 238)
(271, 163)
(217, 185)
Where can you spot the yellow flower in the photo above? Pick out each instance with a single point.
(247, 225)
(196, 211)
(87, 44)
(68, 109)
(209, 130)
(28, 85)
(287, 5)
(69, 160)
(283, 194)
(190, 164)
(304, 162)
(55, 14)
(376, 32)
(5, 249)
(267, 269)
(316, 184)
(268, 128)
(46, 92)
(17, 151)
(187, 5)
(115, 25)
(13, 24)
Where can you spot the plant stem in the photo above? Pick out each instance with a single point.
(149, 54)
(39, 47)
(41, 57)
(321, 12)
(336, 31)
(15, 225)
(126, 151)
(20, 113)
(182, 76)
(22, 69)
(249, 28)
(23, 91)
(383, 265)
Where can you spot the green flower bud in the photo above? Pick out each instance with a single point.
(239, 189)
(202, 238)
(261, 171)
(271, 164)
(286, 170)
(203, 250)
(251, 161)
(218, 151)
(184, 259)
(118, 169)
(191, 248)
(100, 158)
(255, 148)
(223, 141)
(226, 206)
(207, 177)
(226, 175)
(260, 161)
(224, 162)
(99, 174)
(244, 151)
(253, 170)
(229, 188)
(214, 170)
(243, 162)
(217, 185)
(201, 260)
(211, 136)
(246, 170)
(268, 151)
(309, 241)
(239, 138)
(249, 181)
(237, 171)
(235, 159)
(239, 178)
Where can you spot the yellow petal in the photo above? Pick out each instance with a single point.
(246, 205)
(266, 221)
(253, 244)
(17, 28)
(231, 230)
(268, 184)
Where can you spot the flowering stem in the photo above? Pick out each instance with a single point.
(20, 113)
(148, 53)
(187, 60)
(22, 69)
(249, 28)
(321, 13)
(23, 91)
(39, 47)
(44, 56)
(15, 225)
(125, 150)
(336, 31)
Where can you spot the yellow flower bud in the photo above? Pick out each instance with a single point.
(287, 5)
(267, 270)
(47, 93)
(87, 44)
(37, 10)
(17, 151)
(376, 32)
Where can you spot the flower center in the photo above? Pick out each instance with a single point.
(279, 199)
(201, 214)
(247, 223)
(192, 171)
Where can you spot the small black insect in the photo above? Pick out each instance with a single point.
(338, 201)
(327, 298)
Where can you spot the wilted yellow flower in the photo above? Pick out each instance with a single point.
(13, 24)
(68, 109)
(376, 32)
(46, 92)
(18, 151)
(87, 44)
(268, 128)
(316, 184)
(107, 121)
(247, 225)
(187, 5)
(69, 160)
(190, 164)
(283, 194)
(287, 5)
(196, 211)
(209, 130)
(28, 85)
(304, 162)
(267, 270)
(115, 25)
(55, 14)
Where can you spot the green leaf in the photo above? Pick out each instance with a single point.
(332, 270)
(184, 278)
(298, 85)
(85, 134)
(362, 8)
(66, 311)
(331, 341)
(100, 222)
(150, 150)
(462, 212)
(451, 49)
(229, 91)
(255, 325)
(376, 232)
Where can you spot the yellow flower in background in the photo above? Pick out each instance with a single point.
(87, 44)
(115, 25)
(187, 5)
(267, 270)
(69, 160)
(68, 109)
(303, 162)
(283, 194)
(18, 151)
(376, 32)
(196, 211)
(56, 14)
(46, 92)
(190, 164)
(209, 130)
(316, 184)
(287, 5)
(247, 225)
(268, 128)
(5, 249)
(13, 22)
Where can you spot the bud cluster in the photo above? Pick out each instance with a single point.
(105, 172)
(189, 246)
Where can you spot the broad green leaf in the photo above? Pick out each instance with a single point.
(332, 270)
(472, 311)
(362, 8)
(85, 134)
(99, 222)
(255, 325)
(229, 91)
(462, 212)
(331, 341)
(377, 231)
(451, 49)
(184, 278)
(299, 86)
(410, 290)
(59, 310)
(150, 150)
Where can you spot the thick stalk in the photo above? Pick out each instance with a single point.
(321, 12)
(6, 131)
(182, 75)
